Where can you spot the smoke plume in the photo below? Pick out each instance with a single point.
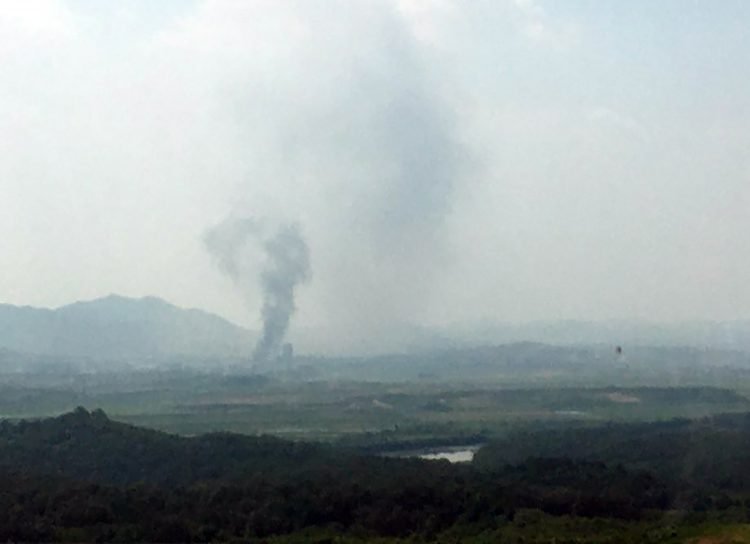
(238, 245)
(366, 151)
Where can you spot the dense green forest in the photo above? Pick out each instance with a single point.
(84, 477)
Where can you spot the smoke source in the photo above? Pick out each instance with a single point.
(285, 264)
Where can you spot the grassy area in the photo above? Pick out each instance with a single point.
(325, 410)
(534, 527)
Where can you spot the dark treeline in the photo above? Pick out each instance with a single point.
(710, 454)
(84, 477)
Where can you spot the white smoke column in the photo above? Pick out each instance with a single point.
(286, 264)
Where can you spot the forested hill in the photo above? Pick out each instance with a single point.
(117, 328)
(711, 453)
(83, 477)
(89, 446)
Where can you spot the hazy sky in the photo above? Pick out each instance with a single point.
(446, 160)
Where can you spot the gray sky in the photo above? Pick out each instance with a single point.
(446, 160)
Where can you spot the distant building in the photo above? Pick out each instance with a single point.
(286, 357)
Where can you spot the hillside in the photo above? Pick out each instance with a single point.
(84, 477)
(89, 446)
(709, 453)
(119, 328)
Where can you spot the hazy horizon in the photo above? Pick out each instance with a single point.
(445, 162)
(478, 319)
(156, 296)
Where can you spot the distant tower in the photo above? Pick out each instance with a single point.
(287, 354)
(620, 358)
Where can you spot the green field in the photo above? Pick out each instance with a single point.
(190, 403)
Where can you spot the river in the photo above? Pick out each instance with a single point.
(453, 454)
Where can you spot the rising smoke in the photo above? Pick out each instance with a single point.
(366, 151)
(238, 245)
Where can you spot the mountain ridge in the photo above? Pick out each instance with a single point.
(120, 328)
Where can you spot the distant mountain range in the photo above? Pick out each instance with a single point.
(120, 328)
(723, 335)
